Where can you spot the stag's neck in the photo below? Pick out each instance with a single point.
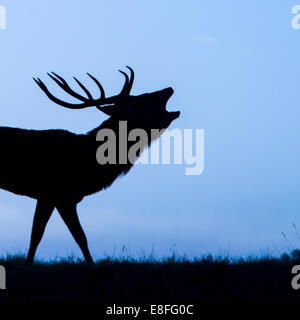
(107, 124)
(123, 157)
(120, 129)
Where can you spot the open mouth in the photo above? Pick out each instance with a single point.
(174, 114)
(167, 93)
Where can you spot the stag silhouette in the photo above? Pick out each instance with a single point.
(59, 168)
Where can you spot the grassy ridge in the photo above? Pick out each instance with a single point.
(204, 279)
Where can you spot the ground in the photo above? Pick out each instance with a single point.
(166, 280)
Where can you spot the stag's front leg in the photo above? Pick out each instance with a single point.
(42, 214)
(69, 214)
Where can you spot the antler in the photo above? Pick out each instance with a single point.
(88, 101)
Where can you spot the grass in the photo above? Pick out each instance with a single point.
(149, 279)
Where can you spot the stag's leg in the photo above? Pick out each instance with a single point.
(42, 214)
(68, 213)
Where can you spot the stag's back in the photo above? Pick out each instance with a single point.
(36, 163)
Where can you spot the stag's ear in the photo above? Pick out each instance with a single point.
(109, 110)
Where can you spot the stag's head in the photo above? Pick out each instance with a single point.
(147, 111)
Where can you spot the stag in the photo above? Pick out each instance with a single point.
(59, 168)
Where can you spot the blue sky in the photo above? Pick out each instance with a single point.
(235, 69)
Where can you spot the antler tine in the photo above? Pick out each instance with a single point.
(124, 89)
(128, 82)
(40, 83)
(102, 92)
(43, 87)
(84, 89)
(64, 85)
(131, 78)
